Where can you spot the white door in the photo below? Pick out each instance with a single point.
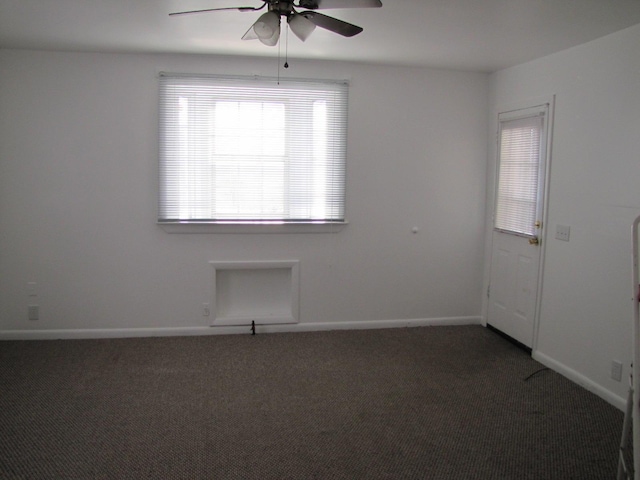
(517, 224)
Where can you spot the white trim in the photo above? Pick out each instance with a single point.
(195, 227)
(581, 380)
(635, 334)
(551, 102)
(193, 331)
(256, 77)
(95, 333)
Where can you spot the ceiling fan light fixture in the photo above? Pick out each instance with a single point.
(272, 40)
(250, 35)
(301, 26)
(267, 26)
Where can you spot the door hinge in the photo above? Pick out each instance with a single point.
(488, 290)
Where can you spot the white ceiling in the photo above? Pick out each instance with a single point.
(479, 35)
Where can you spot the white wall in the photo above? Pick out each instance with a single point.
(585, 319)
(78, 188)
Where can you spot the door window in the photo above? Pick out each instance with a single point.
(522, 141)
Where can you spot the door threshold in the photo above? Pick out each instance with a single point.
(518, 344)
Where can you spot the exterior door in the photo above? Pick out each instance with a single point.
(517, 223)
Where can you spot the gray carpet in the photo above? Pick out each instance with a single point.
(419, 403)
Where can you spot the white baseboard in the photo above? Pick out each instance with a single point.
(88, 333)
(227, 330)
(371, 324)
(581, 380)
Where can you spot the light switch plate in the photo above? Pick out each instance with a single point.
(562, 232)
(34, 312)
(616, 370)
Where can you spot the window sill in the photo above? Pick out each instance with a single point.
(212, 227)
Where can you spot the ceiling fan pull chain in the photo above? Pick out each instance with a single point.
(286, 48)
(279, 49)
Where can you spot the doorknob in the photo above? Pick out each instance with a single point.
(534, 241)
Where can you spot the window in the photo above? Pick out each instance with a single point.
(522, 141)
(246, 150)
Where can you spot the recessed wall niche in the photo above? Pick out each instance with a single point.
(266, 292)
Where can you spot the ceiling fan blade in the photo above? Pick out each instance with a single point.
(241, 9)
(332, 24)
(325, 4)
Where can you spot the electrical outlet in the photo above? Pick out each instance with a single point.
(34, 312)
(562, 232)
(206, 310)
(616, 370)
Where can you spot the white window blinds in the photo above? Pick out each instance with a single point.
(520, 152)
(246, 149)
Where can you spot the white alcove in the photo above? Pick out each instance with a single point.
(264, 292)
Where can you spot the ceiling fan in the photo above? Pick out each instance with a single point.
(267, 27)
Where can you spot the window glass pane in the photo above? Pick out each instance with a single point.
(240, 193)
(518, 169)
(249, 128)
(320, 174)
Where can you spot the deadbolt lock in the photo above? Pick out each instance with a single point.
(538, 224)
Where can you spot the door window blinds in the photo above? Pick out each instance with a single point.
(252, 150)
(520, 150)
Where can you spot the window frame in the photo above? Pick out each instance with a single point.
(509, 117)
(278, 225)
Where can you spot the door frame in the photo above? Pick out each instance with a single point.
(492, 173)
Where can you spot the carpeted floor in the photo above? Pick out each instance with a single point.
(419, 403)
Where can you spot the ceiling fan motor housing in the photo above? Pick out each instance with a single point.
(308, 4)
(282, 7)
